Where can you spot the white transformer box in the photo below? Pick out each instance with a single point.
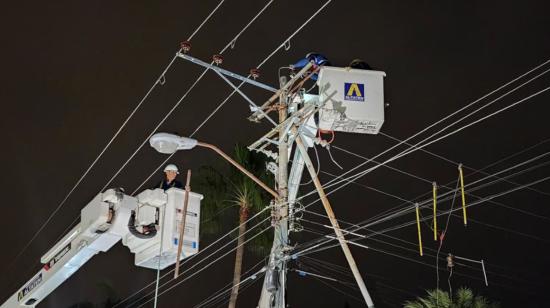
(353, 100)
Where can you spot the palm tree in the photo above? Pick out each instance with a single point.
(226, 188)
(464, 298)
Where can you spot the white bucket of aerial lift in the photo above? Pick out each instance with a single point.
(170, 215)
(357, 105)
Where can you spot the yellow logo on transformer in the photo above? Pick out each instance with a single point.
(354, 91)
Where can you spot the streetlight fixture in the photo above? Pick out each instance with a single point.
(169, 143)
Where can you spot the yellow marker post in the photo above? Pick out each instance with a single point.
(435, 209)
(463, 196)
(418, 226)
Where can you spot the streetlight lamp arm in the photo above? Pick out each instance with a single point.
(238, 166)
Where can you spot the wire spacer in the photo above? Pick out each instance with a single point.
(185, 46)
(218, 59)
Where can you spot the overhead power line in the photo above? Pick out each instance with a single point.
(321, 242)
(225, 291)
(469, 193)
(457, 163)
(318, 247)
(445, 196)
(399, 210)
(508, 157)
(473, 203)
(373, 233)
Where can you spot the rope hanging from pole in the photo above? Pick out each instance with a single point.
(461, 173)
(418, 227)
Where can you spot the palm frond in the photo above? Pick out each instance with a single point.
(480, 302)
(464, 298)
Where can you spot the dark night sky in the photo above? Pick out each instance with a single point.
(72, 71)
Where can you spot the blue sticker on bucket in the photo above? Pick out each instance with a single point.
(354, 91)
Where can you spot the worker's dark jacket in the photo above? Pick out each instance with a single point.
(165, 185)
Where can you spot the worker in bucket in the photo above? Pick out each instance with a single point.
(317, 59)
(171, 172)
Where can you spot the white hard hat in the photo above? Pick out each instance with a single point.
(171, 167)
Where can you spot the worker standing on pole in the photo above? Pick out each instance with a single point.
(171, 172)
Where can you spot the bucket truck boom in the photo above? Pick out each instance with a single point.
(110, 217)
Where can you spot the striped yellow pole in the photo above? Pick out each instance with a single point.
(462, 192)
(435, 209)
(418, 226)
